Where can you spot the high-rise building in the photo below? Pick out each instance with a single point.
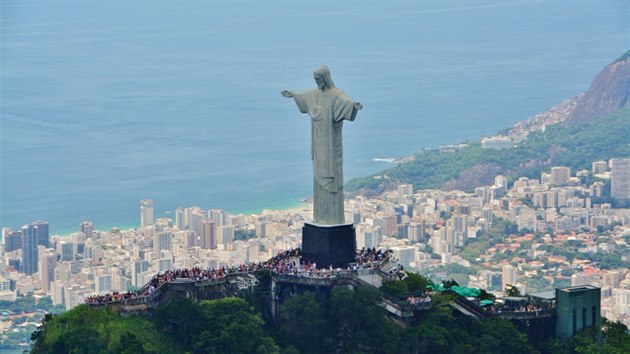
(75, 295)
(218, 216)
(508, 276)
(597, 189)
(180, 219)
(47, 265)
(227, 234)
(577, 308)
(102, 283)
(599, 167)
(389, 224)
(120, 282)
(87, 228)
(78, 242)
(253, 251)
(162, 241)
(189, 238)
(551, 199)
(195, 219)
(369, 236)
(146, 212)
(29, 249)
(164, 264)
(261, 228)
(579, 279)
(208, 235)
(560, 175)
(57, 293)
(621, 296)
(620, 179)
(613, 278)
(501, 181)
(41, 228)
(405, 189)
(65, 249)
(415, 232)
(139, 266)
(405, 255)
(12, 240)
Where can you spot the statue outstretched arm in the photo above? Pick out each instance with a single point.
(358, 106)
(287, 94)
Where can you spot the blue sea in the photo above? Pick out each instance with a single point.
(105, 103)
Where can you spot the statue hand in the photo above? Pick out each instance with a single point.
(358, 106)
(286, 93)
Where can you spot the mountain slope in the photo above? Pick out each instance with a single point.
(609, 91)
(597, 127)
(575, 146)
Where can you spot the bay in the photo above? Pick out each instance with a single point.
(107, 103)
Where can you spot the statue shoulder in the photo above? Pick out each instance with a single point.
(340, 95)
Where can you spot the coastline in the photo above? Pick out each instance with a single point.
(286, 207)
(552, 115)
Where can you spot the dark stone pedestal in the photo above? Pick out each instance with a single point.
(326, 245)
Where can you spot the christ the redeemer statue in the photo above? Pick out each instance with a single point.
(328, 106)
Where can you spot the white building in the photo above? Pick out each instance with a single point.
(146, 212)
(620, 178)
(496, 142)
(102, 283)
(405, 255)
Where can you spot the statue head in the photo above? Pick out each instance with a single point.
(322, 78)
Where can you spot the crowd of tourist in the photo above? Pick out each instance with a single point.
(113, 297)
(367, 257)
(287, 263)
(281, 263)
(419, 300)
(528, 308)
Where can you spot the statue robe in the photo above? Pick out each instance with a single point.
(327, 109)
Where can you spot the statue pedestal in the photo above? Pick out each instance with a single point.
(329, 244)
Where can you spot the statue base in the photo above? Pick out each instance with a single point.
(329, 244)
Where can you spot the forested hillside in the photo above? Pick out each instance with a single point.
(345, 321)
(576, 146)
(342, 321)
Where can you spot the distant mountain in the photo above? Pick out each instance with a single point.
(609, 91)
(586, 128)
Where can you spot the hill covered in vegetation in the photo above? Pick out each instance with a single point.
(345, 321)
(596, 126)
(342, 321)
(576, 146)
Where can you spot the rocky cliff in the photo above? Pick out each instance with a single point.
(609, 91)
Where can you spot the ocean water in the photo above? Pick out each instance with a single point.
(106, 103)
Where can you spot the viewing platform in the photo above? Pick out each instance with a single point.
(285, 273)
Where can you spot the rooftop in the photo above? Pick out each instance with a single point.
(578, 288)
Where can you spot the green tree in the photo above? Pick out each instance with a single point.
(45, 303)
(416, 282)
(394, 288)
(357, 321)
(231, 328)
(181, 319)
(447, 284)
(129, 344)
(615, 336)
(79, 340)
(303, 324)
(512, 291)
